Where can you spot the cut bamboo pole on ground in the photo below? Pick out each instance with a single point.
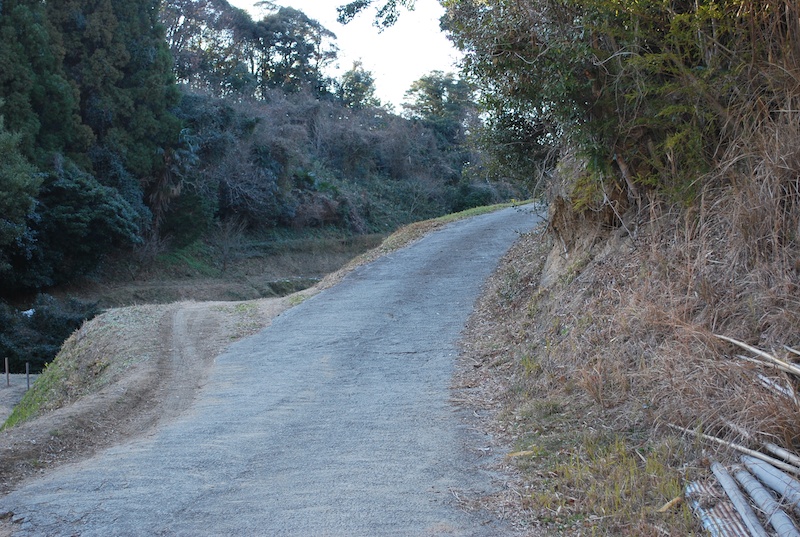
(763, 363)
(776, 387)
(776, 450)
(758, 455)
(778, 519)
(783, 484)
(738, 500)
(792, 368)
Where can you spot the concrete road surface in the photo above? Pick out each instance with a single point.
(334, 421)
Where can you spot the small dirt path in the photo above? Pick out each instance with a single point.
(334, 421)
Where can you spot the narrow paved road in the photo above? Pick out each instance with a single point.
(335, 421)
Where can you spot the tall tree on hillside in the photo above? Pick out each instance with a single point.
(89, 86)
(445, 103)
(115, 52)
(356, 89)
(19, 187)
(40, 103)
(211, 44)
(291, 52)
(219, 48)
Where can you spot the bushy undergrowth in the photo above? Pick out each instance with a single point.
(618, 328)
(35, 335)
(296, 161)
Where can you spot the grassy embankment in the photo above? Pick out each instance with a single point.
(600, 339)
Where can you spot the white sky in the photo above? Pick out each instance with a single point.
(398, 56)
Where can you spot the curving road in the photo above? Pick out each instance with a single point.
(334, 421)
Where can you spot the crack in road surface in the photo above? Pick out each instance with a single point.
(334, 421)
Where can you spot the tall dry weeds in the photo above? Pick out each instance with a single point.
(728, 264)
(625, 335)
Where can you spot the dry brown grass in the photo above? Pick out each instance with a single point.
(620, 343)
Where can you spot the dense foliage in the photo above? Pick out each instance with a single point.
(106, 152)
(34, 336)
(86, 89)
(652, 94)
(222, 50)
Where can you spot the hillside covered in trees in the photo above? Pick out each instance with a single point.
(131, 128)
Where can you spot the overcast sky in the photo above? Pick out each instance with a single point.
(396, 57)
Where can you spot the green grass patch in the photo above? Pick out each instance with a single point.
(476, 211)
(196, 258)
(604, 482)
(620, 485)
(39, 396)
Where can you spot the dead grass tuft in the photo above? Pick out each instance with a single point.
(597, 344)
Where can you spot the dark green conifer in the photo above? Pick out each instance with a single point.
(116, 53)
(41, 104)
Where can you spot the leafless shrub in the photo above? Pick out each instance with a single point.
(317, 210)
(145, 253)
(229, 241)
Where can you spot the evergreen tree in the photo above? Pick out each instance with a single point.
(291, 52)
(88, 87)
(115, 51)
(19, 185)
(77, 221)
(356, 90)
(41, 104)
(444, 103)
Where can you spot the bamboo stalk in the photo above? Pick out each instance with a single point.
(783, 484)
(777, 388)
(767, 356)
(758, 455)
(778, 519)
(674, 502)
(763, 363)
(741, 431)
(793, 351)
(738, 500)
(776, 450)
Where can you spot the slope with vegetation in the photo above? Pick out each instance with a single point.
(674, 216)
